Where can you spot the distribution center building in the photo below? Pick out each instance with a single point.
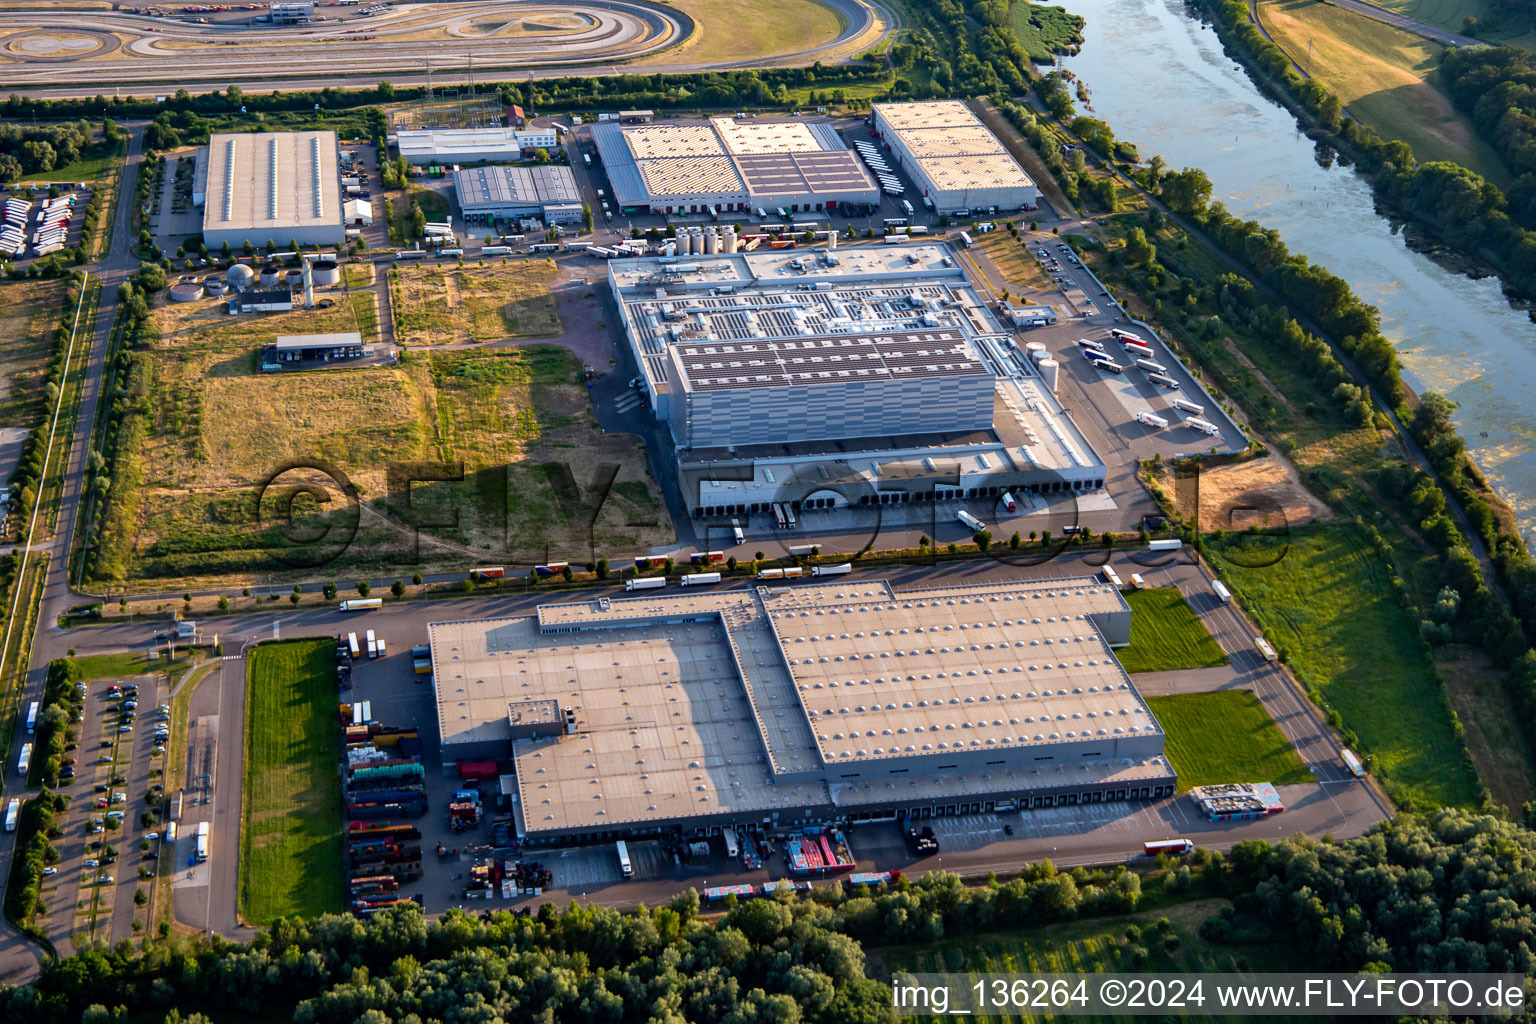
(864, 376)
(279, 187)
(508, 193)
(729, 165)
(785, 707)
(954, 158)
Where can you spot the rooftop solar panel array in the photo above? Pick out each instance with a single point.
(780, 362)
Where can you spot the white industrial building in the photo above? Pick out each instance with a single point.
(786, 707)
(291, 12)
(548, 193)
(726, 165)
(422, 146)
(865, 376)
(279, 187)
(954, 158)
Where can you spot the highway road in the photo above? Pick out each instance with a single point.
(1407, 24)
(18, 960)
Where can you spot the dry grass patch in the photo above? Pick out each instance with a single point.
(29, 313)
(731, 30)
(438, 304)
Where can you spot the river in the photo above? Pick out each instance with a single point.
(1162, 81)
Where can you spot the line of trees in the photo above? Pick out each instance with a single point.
(1496, 88)
(28, 149)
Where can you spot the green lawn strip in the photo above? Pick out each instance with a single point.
(1225, 736)
(290, 838)
(1327, 602)
(1166, 635)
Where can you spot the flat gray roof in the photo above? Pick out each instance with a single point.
(343, 339)
(513, 186)
(952, 146)
(780, 362)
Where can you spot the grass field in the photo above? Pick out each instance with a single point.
(442, 304)
(1044, 31)
(30, 311)
(290, 833)
(1326, 602)
(1225, 736)
(1014, 261)
(1090, 946)
(187, 503)
(92, 167)
(731, 30)
(1166, 635)
(1385, 76)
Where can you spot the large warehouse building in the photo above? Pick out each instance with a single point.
(729, 165)
(279, 187)
(954, 158)
(785, 707)
(507, 193)
(873, 375)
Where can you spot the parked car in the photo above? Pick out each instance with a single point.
(50, 871)
(90, 863)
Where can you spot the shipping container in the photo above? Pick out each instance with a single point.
(373, 645)
(352, 646)
(1108, 366)
(1095, 355)
(699, 578)
(494, 572)
(1147, 364)
(970, 520)
(842, 569)
(625, 867)
(1112, 577)
(1151, 420)
(550, 568)
(1162, 380)
(1091, 344)
(1185, 405)
(1127, 336)
(1171, 847)
(1220, 590)
(1137, 581)
(706, 557)
(647, 583)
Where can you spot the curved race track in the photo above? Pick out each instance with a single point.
(101, 49)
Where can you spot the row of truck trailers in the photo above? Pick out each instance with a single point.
(1139, 350)
(385, 785)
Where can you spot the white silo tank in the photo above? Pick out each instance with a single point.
(831, 239)
(670, 249)
(1036, 351)
(1048, 370)
(730, 239)
(711, 243)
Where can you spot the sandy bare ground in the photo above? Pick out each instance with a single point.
(1258, 492)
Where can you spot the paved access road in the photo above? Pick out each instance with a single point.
(1408, 24)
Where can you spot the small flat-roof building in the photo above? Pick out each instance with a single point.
(291, 12)
(784, 707)
(510, 193)
(296, 348)
(953, 157)
(729, 165)
(278, 300)
(277, 186)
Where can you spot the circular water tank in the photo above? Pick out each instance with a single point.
(214, 285)
(271, 275)
(295, 278)
(325, 272)
(1036, 351)
(1048, 370)
(186, 290)
(240, 276)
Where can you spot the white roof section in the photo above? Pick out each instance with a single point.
(340, 339)
(951, 145)
(513, 186)
(268, 183)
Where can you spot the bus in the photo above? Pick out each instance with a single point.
(361, 604)
(32, 718)
(202, 842)
(1171, 847)
(625, 867)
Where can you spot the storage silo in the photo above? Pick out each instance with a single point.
(1036, 351)
(1049, 368)
(711, 243)
(240, 277)
(325, 273)
(730, 239)
(186, 290)
(271, 275)
(832, 239)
